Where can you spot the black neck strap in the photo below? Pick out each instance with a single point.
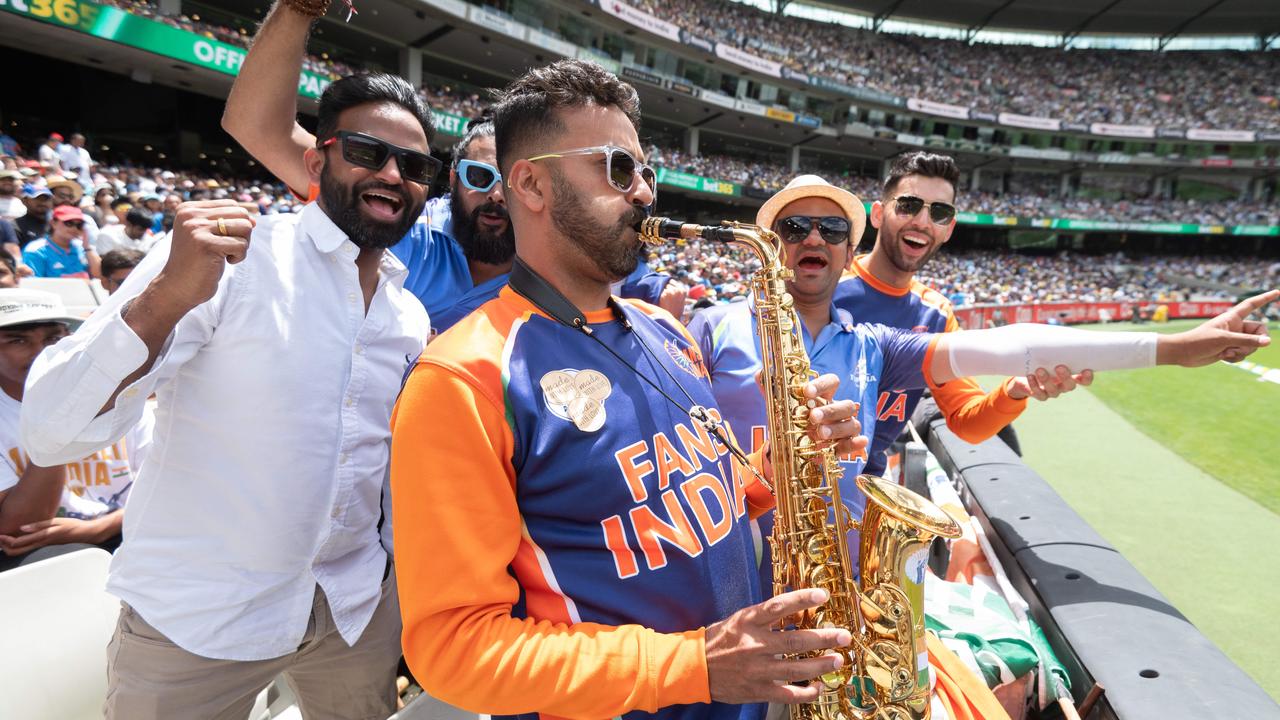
(535, 288)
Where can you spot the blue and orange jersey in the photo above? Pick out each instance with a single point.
(971, 413)
(865, 357)
(564, 531)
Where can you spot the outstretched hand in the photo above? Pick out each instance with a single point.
(1231, 336)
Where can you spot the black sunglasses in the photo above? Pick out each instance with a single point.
(940, 213)
(367, 151)
(795, 228)
(73, 224)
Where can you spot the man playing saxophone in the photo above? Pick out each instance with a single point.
(575, 537)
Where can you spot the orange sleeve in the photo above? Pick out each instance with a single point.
(457, 530)
(972, 414)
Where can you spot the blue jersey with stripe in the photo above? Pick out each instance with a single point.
(438, 271)
(636, 514)
(915, 309)
(865, 358)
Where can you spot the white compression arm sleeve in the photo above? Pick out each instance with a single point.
(1022, 348)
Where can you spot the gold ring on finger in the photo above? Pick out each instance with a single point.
(222, 226)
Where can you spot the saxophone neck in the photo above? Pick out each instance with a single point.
(762, 241)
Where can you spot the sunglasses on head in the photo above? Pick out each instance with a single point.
(369, 152)
(940, 213)
(478, 176)
(620, 167)
(795, 228)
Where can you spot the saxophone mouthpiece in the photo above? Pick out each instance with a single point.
(660, 230)
(656, 230)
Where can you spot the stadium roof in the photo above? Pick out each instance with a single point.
(1161, 18)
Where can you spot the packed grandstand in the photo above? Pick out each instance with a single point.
(966, 277)
(1189, 90)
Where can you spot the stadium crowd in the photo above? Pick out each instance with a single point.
(1032, 198)
(1181, 90)
(123, 199)
(1169, 89)
(978, 277)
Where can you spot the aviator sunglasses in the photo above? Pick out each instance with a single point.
(478, 176)
(370, 152)
(620, 167)
(795, 228)
(940, 213)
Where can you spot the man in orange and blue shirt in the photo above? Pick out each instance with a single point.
(915, 217)
(573, 543)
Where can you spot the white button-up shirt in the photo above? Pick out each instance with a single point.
(270, 460)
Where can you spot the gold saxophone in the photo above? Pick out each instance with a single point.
(883, 676)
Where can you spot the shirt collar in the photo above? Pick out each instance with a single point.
(840, 318)
(322, 230)
(329, 238)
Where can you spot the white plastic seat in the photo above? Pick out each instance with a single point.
(56, 619)
(76, 293)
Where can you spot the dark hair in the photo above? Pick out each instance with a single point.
(920, 162)
(140, 217)
(483, 128)
(120, 259)
(364, 88)
(525, 114)
(7, 259)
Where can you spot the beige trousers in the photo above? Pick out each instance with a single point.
(151, 678)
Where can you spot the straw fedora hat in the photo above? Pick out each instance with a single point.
(806, 186)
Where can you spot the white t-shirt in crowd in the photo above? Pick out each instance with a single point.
(96, 485)
(49, 156)
(77, 160)
(113, 237)
(11, 208)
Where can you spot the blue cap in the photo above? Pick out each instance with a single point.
(31, 191)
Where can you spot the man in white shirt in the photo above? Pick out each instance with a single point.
(132, 234)
(48, 153)
(76, 160)
(11, 207)
(258, 534)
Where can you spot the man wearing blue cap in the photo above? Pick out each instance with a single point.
(35, 224)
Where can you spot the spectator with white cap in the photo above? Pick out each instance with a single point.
(47, 511)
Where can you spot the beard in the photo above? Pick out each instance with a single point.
(341, 204)
(481, 245)
(893, 250)
(601, 242)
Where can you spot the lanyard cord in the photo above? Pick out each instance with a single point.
(532, 287)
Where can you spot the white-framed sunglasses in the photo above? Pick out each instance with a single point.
(620, 166)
